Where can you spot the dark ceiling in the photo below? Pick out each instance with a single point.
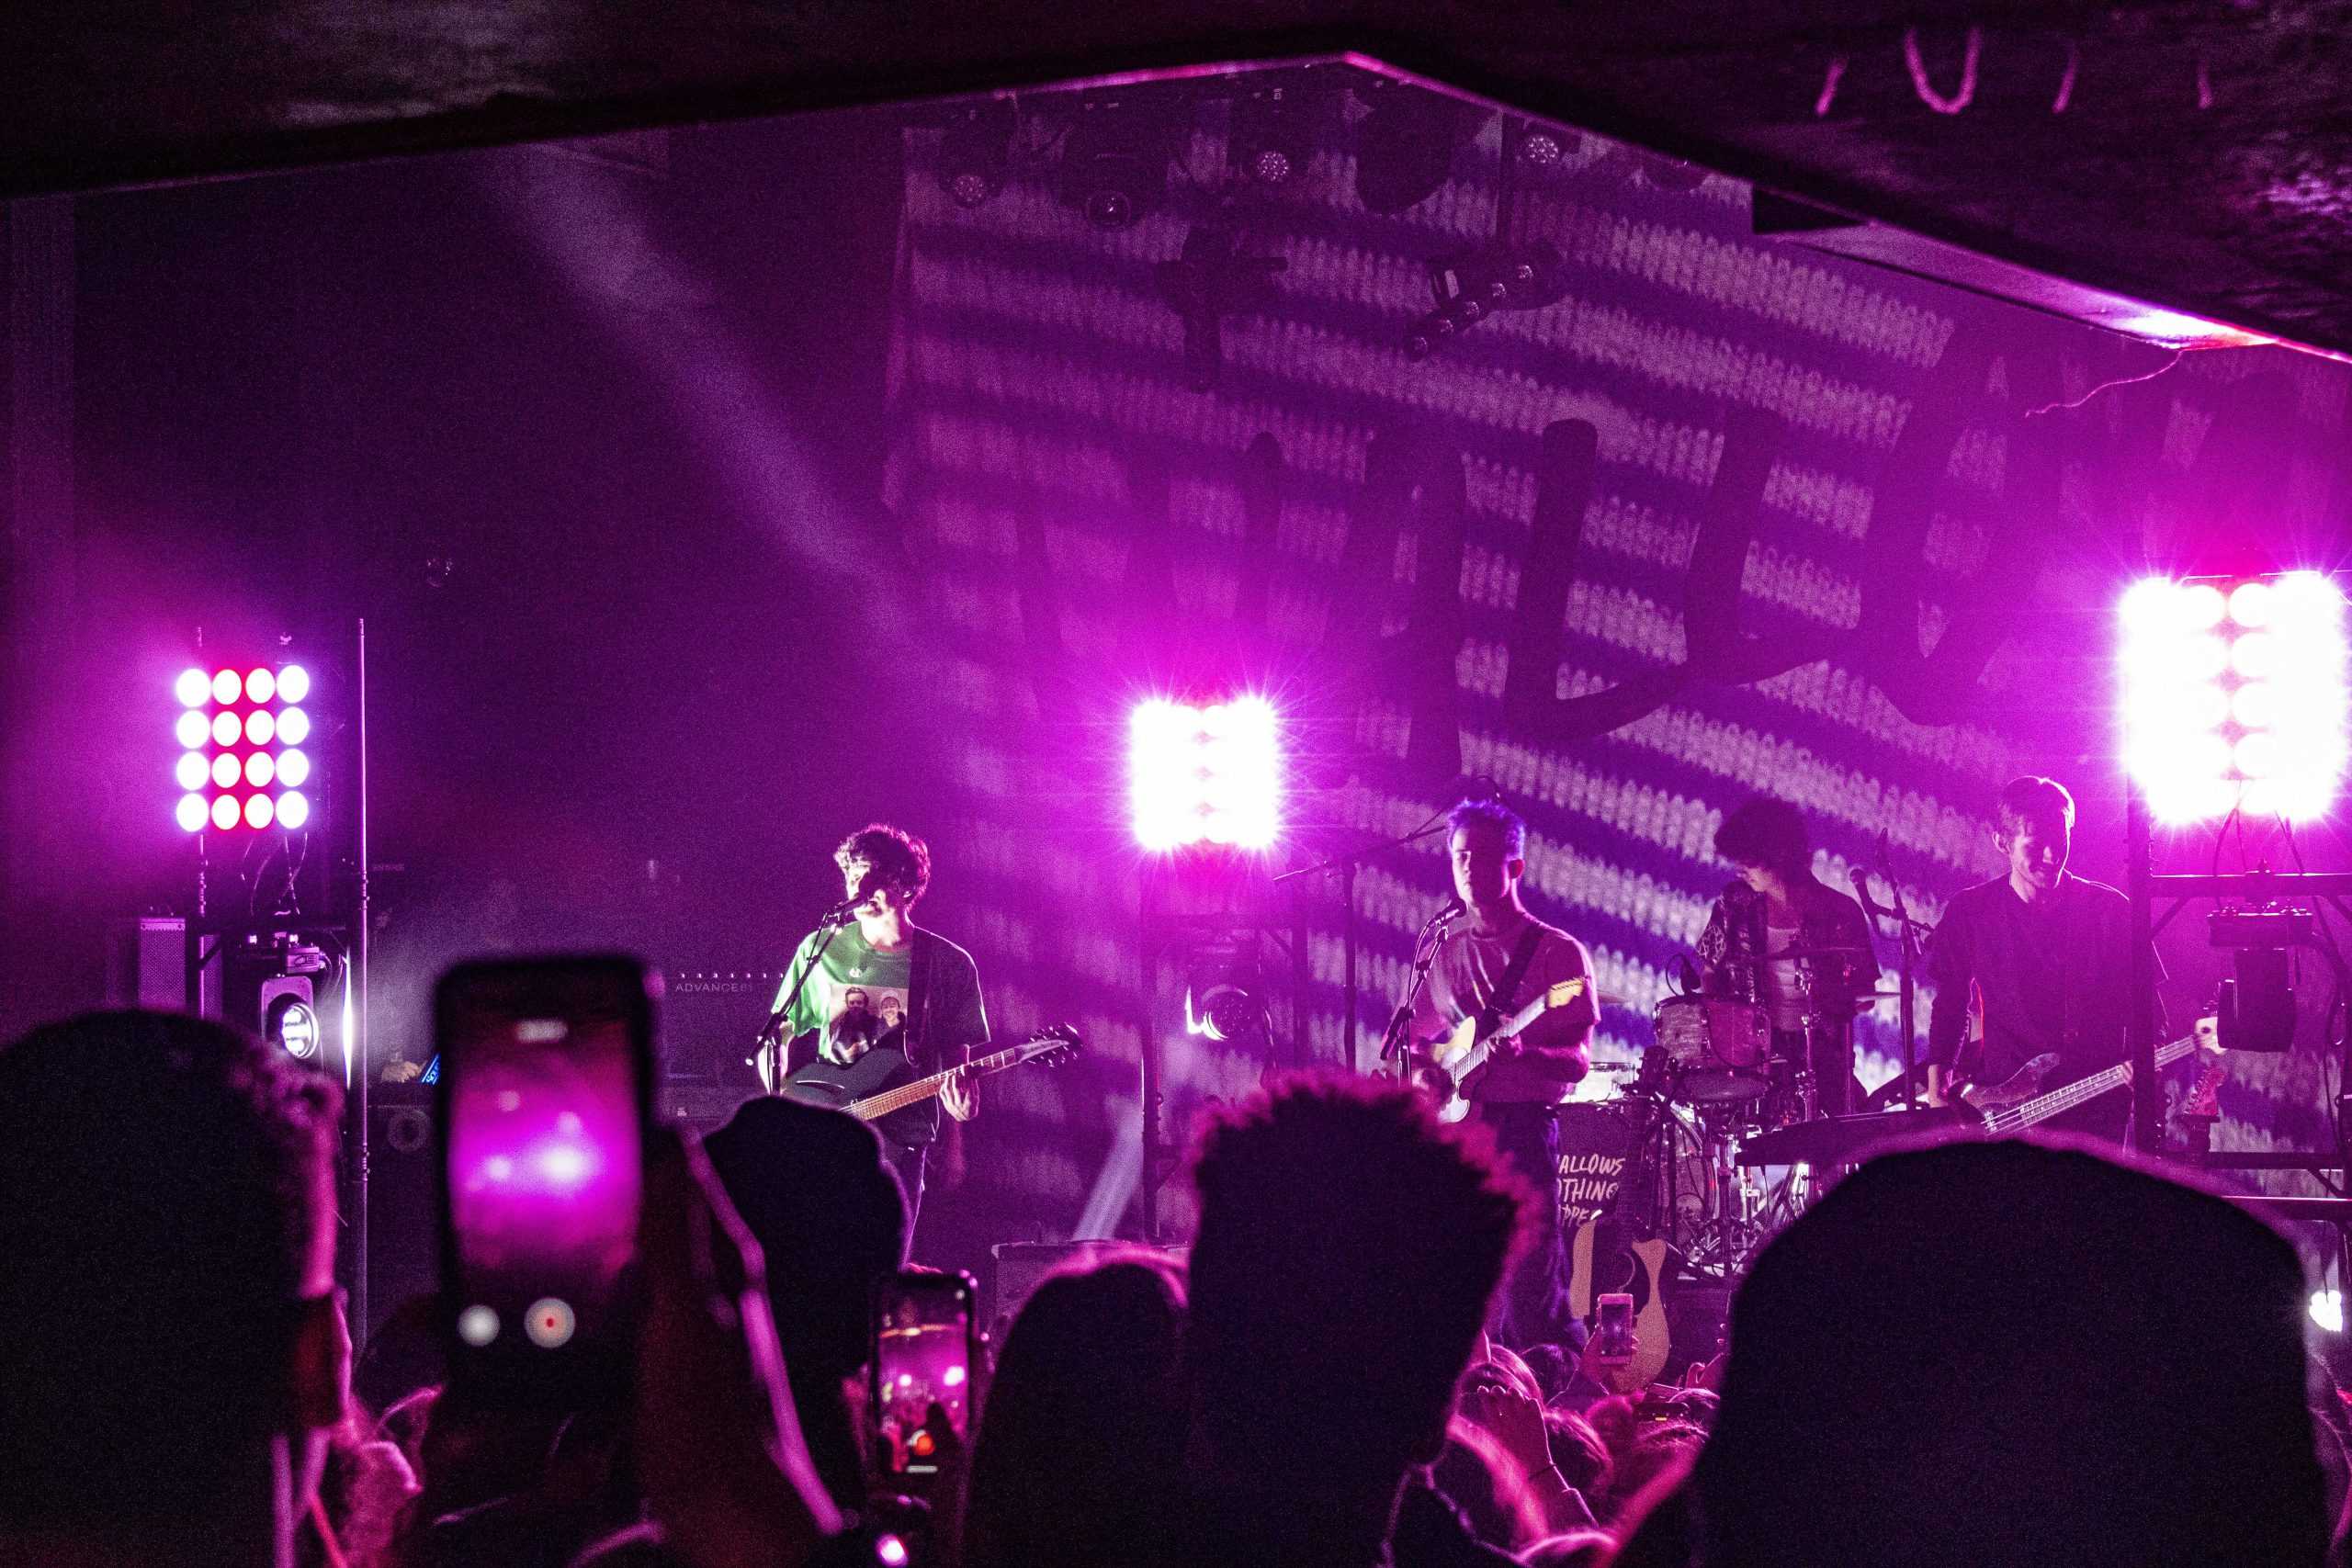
(2196, 154)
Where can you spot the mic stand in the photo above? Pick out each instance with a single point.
(1906, 931)
(1347, 865)
(771, 1041)
(1401, 1023)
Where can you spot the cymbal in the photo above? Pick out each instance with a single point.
(1821, 952)
(1611, 1000)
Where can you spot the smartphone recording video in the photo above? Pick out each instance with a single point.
(1613, 1332)
(546, 1073)
(924, 1340)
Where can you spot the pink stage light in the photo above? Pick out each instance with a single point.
(1205, 775)
(224, 715)
(2234, 696)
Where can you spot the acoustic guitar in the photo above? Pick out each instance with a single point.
(1603, 1258)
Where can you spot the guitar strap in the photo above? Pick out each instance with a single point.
(1498, 1006)
(919, 1001)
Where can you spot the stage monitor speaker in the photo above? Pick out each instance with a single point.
(403, 1238)
(1022, 1267)
(147, 966)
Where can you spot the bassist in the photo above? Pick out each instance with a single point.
(882, 972)
(1514, 1092)
(2044, 954)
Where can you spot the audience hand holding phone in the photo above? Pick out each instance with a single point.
(719, 1452)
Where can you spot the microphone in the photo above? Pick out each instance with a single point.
(845, 911)
(1476, 787)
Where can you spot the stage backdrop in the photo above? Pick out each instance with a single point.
(1728, 518)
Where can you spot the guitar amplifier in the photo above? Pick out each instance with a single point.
(1022, 1267)
(709, 1019)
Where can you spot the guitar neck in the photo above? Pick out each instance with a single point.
(1532, 1010)
(920, 1089)
(2057, 1102)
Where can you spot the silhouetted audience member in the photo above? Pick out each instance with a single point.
(1481, 1479)
(363, 1489)
(172, 1350)
(2002, 1353)
(1578, 1452)
(1570, 1549)
(1348, 1249)
(810, 1186)
(1084, 1419)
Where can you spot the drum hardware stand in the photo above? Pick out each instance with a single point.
(1907, 933)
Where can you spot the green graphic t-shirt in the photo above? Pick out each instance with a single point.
(853, 976)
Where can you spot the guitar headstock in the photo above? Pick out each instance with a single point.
(1564, 993)
(1054, 1046)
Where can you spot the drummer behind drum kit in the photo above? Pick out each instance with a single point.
(1715, 1080)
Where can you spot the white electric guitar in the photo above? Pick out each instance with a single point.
(1471, 1046)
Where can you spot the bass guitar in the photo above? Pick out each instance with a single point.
(882, 1084)
(1454, 1059)
(2017, 1101)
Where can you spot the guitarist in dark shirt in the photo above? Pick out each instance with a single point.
(884, 981)
(2047, 956)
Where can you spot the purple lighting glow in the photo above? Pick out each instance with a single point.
(1205, 775)
(2234, 696)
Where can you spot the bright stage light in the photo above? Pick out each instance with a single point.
(224, 717)
(2327, 1310)
(2234, 695)
(1205, 775)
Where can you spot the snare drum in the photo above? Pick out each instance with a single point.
(1721, 1049)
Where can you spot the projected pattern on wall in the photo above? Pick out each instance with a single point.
(1799, 472)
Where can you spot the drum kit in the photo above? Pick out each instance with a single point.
(1719, 1078)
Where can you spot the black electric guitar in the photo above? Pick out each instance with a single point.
(882, 1083)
